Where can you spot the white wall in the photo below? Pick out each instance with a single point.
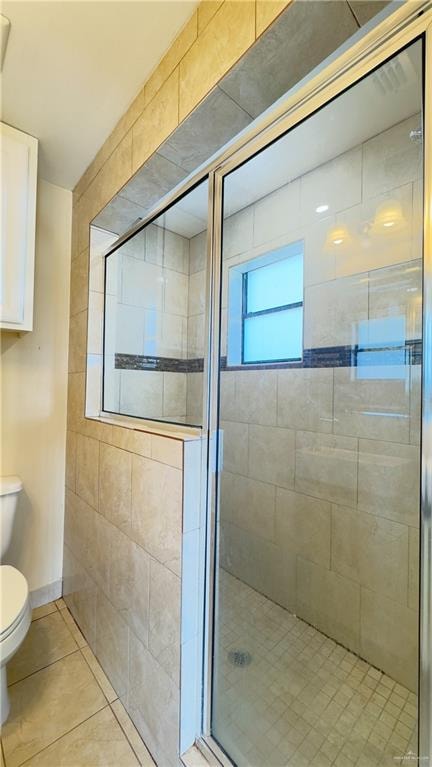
(33, 399)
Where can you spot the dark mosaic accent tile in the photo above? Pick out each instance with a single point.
(333, 357)
(159, 364)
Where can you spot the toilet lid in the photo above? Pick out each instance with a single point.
(13, 596)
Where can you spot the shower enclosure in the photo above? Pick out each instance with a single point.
(312, 347)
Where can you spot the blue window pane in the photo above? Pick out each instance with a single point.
(276, 284)
(276, 336)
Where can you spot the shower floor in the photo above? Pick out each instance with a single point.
(303, 700)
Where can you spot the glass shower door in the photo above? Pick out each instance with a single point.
(315, 654)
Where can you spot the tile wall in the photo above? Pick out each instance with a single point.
(320, 484)
(155, 309)
(124, 564)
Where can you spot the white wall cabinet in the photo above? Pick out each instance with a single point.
(18, 162)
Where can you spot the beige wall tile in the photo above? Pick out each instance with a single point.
(131, 439)
(391, 158)
(167, 450)
(115, 485)
(248, 504)
(164, 627)
(388, 637)
(272, 455)
(71, 439)
(226, 37)
(277, 214)
(79, 283)
(78, 342)
(333, 311)
(326, 467)
(129, 579)
(413, 568)
(267, 11)
(338, 183)
(305, 399)
(389, 480)
(372, 407)
(114, 174)
(235, 447)
(329, 602)
(206, 11)
(101, 550)
(141, 393)
(157, 509)
(255, 398)
(87, 471)
(371, 551)
(112, 643)
(174, 396)
(180, 46)
(158, 120)
(266, 567)
(79, 592)
(303, 526)
(155, 716)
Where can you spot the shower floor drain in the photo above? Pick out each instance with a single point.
(240, 657)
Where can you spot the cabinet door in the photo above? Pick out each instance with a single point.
(18, 204)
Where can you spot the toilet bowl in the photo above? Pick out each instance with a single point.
(15, 619)
(15, 610)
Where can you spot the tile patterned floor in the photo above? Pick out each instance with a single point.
(64, 712)
(303, 701)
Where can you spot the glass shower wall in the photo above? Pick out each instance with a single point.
(155, 315)
(316, 596)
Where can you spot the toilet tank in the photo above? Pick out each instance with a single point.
(10, 487)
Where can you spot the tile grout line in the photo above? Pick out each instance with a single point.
(56, 740)
(124, 731)
(48, 665)
(97, 681)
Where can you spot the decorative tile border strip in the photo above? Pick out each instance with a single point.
(159, 364)
(324, 357)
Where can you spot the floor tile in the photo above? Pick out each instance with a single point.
(73, 628)
(47, 705)
(100, 675)
(132, 735)
(40, 612)
(60, 604)
(287, 690)
(98, 742)
(48, 640)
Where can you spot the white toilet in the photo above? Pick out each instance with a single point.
(15, 610)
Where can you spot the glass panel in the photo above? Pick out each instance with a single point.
(275, 336)
(276, 284)
(316, 579)
(154, 316)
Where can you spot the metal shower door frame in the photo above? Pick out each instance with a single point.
(372, 48)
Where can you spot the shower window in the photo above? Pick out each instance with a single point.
(266, 308)
(155, 316)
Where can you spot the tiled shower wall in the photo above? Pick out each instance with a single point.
(146, 315)
(154, 309)
(320, 484)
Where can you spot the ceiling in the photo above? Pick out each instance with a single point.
(72, 68)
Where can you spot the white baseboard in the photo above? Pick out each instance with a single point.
(46, 594)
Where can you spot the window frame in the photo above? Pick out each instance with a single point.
(237, 304)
